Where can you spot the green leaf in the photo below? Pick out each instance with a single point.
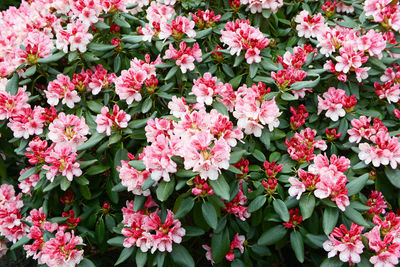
(120, 21)
(186, 174)
(30, 71)
(28, 173)
(235, 82)
(305, 84)
(210, 215)
(95, 106)
(288, 96)
(181, 256)
(132, 38)
(357, 184)
(331, 262)
(137, 164)
(117, 241)
(355, 216)
(236, 156)
(100, 231)
(147, 104)
(281, 209)
(220, 187)
(193, 231)
(141, 258)
(53, 58)
(316, 240)
(97, 169)
(93, 140)
(101, 25)
(329, 219)
(171, 73)
(165, 189)
(259, 155)
(307, 204)
(221, 108)
(12, 85)
(234, 170)
(85, 191)
(20, 243)
(272, 235)
(257, 203)
(220, 245)
(100, 47)
(125, 254)
(393, 175)
(185, 207)
(296, 241)
(253, 70)
(147, 184)
(203, 33)
(65, 184)
(85, 262)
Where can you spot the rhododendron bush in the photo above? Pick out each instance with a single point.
(199, 133)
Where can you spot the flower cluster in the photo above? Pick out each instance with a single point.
(141, 73)
(239, 35)
(62, 249)
(383, 150)
(202, 139)
(147, 232)
(325, 178)
(336, 103)
(301, 146)
(253, 112)
(257, 6)
(185, 56)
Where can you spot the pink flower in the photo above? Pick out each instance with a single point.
(336, 103)
(68, 130)
(389, 91)
(301, 146)
(387, 250)
(156, 127)
(206, 87)
(177, 28)
(29, 183)
(297, 188)
(11, 106)
(37, 45)
(310, 26)
(61, 161)
(28, 122)
(377, 203)
(157, 158)
(62, 250)
(237, 242)
(76, 36)
(239, 35)
(166, 233)
(37, 150)
(107, 122)
(347, 243)
(133, 179)
(178, 106)
(62, 88)
(257, 6)
(208, 160)
(208, 253)
(185, 56)
(236, 206)
(100, 79)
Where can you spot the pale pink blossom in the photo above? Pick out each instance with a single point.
(62, 88)
(62, 251)
(310, 26)
(107, 122)
(133, 179)
(68, 130)
(100, 79)
(62, 161)
(347, 243)
(29, 183)
(185, 56)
